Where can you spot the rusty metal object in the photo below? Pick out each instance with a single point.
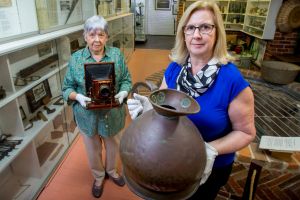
(162, 151)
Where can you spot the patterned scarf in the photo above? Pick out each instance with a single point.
(196, 85)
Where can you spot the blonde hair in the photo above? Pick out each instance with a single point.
(180, 52)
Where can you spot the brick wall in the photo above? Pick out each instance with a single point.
(283, 43)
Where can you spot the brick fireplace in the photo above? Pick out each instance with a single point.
(282, 44)
(286, 43)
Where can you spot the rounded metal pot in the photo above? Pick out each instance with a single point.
(162, 151)
(279, 72)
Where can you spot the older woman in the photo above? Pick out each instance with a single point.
(200, 69)
(98, 125)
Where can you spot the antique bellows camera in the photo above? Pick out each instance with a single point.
(100, 85)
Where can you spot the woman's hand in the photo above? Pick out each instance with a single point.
(82, 99)
(138, 105)
(121, 96)
(211, 154)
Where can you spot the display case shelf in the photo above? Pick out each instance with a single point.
(19, 44)
(22, 89)
(28, 136)
(261, 16)
(252, 14)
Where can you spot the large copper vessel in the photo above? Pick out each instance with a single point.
(162, 151)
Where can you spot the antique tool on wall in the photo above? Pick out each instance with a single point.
(100, 85)
(162, 151)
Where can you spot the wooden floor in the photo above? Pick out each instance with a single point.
(73, 179)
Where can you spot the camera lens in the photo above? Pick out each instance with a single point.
(104, 91)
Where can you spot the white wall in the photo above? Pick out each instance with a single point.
(160, 22)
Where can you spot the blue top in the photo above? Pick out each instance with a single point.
(106, 122)
(213, 120)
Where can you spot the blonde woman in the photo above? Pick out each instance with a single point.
(201, 69)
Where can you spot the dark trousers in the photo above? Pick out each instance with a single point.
(210, 189)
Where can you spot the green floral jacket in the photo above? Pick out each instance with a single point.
(105, 122)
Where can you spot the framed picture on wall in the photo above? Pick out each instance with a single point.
(162, 5)
(36, 94)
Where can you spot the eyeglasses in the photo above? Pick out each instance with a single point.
(203, 29)
(24, 81)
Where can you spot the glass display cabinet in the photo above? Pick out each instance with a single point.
(54, 14)
(140, 20)
(36, 125)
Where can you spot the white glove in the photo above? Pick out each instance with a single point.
(82, 99)
(211, 154)
(121, 96)
(138, 105)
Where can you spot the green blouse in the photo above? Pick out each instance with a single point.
(105, 122)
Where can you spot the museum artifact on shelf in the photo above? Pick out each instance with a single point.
(100, 85)
(26, 75)
(36, 95)
(6, 144)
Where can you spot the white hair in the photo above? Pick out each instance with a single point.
(93, 23)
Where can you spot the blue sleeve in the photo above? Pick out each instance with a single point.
(237, 82)
(171, 74)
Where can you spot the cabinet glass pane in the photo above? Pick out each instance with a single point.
(57, 14)
(18, 18)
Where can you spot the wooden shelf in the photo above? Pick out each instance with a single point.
(16, 45)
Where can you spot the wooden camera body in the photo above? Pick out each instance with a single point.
(100, 85)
